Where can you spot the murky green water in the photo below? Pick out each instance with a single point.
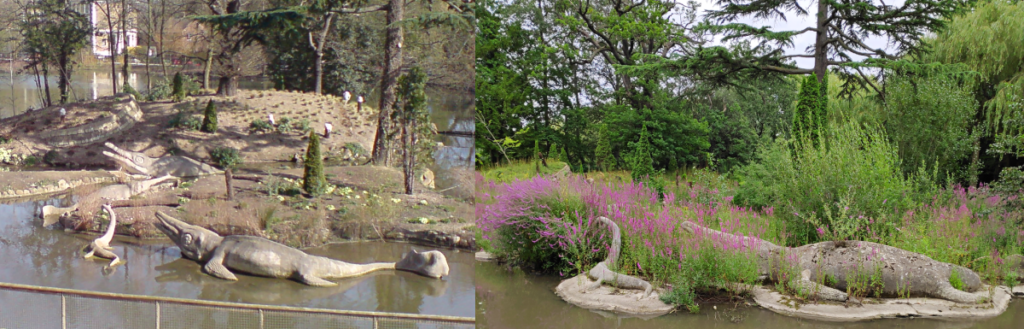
(518, 300)
(31, 254)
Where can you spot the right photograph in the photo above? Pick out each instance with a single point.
(749, 164)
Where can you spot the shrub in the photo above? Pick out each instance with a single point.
(258, 125)
(162, 90)
(185, 120)
(811, 110)
(178, 88)
(313, 180)
(605, 160)
(127, 88)
(210, 117)
(304, 126)
(226, 157)
(640, 163)
(929, 119)
(548, 225)
(284, 125)
(857, 166)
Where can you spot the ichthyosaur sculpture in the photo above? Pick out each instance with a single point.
(141, 164)
(221, 256)
(106, 194)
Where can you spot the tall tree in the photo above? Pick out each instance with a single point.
(111, 15)
(412, 113)
(989, 40)
(53, 34)
(841, 30)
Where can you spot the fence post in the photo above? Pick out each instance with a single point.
(63, 313)
(261, 318)
(157, 314)
(374, 322)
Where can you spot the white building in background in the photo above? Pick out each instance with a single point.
(98, 11)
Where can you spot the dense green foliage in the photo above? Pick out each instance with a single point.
(811, 110)
(226, 157)
(210, 117)
(640, 163)
(177, 88)
(53, 33)
(313, 180)
(413, 118)
(854, 172)
(929, 120)
(894, 145)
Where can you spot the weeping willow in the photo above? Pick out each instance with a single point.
(989, 39)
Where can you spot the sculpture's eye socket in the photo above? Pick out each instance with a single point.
(186, 239)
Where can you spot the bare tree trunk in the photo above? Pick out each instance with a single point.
(228, 86)
(392, 68)
(318, 47)
(821, 42)
(207, 68)
(46, 84)
(124, 39)
(408, 157)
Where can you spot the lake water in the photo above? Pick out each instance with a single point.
(518, 300)
(34, 255)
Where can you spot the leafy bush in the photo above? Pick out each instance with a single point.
(185, 120)
(258, 125)
(855, 165)
(162, 90)
(226, 157)
(127, 88)
(210, 118)
(304, 126)
(284, 125)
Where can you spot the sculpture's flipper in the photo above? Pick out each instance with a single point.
(215, 267)
(315, 281)
(218, 270)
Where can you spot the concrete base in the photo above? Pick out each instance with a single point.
(886, 307)
(484, 256)
(609, 299)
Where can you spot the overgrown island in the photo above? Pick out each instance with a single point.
(655, 174)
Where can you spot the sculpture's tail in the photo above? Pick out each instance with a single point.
(336, 269)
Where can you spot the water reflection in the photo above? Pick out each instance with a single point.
(35, 255)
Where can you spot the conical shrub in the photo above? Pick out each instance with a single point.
(313, 180)
(210, 117)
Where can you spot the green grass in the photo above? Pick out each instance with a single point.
(521, 169)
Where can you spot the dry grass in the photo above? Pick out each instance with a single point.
(223, 217)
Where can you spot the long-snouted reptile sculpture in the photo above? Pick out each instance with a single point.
(108, 193)
(141, 164)
(258, 256)
(837, 263)
(101, 246)
(833, 263)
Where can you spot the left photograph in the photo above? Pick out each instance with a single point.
(237, 164)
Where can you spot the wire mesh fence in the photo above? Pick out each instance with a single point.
(32, 307)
